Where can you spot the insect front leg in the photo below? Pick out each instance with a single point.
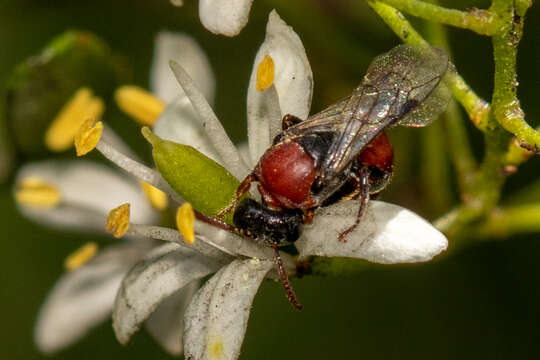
(242, 189)
(362, 183)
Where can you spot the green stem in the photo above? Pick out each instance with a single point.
(504, 222)
(460, 148)
(434, 163)
(476, 108)
(507, 110)
(481, 21)
(486, 189)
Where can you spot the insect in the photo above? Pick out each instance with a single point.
(343, 151)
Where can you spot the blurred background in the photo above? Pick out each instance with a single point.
(480, 300)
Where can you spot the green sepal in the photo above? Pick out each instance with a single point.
(208, 186)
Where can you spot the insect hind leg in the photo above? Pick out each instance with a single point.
(363, 196)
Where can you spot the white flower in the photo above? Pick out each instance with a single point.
(225, 17)
(79, 194)
(216, 319)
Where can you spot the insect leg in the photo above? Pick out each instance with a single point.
(363, 185)
(289, 291)
(242, 189)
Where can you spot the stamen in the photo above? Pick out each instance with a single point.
(202, 245)
(208, 119)
(81, 107)
(139, 103)
(142, 172)
(81, 256)
(88, 136)
(265, 73)
(185, 219)
(34, 192)
(118, 221)
(157, 198)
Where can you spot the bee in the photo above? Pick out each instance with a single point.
(343, 151)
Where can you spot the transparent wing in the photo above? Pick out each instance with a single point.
(395, 86)
(328, 120)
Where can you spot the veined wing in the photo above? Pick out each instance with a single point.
(328, 120)
(395, 86)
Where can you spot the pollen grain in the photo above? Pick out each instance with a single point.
(185, 220)
(118, 220)
(35, 192)
(63, 129)
(81, 256)
(265, 73)
(139, 104)
(157, 198)
(88, 136)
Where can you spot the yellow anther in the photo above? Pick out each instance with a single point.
(216, 349)
(185, 219)
(265, 73)
(81, 107)
(157, 198)
(81, 256)
(34, 192)
(139, 103)
(88, 136)
(118, 221)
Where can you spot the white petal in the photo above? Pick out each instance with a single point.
(225, 17)
(152, 280)
(243, 149)
(241, 245)
(387, 234)
(184, 50)
(209, 121)
(180, 123)
(166, 324)
(293, 76)
(216, 320)
(88, 191)
(264, 120)
(84, 297)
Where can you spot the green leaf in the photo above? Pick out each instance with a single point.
(42, 84)
(208, 186)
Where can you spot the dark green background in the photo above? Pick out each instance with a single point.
(479, 301)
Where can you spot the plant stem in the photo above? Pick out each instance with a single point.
(486, 189)
(480, 21)
(507, 221)
(434, 167)
(460, 148)
(507, 110)
(476, 108)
